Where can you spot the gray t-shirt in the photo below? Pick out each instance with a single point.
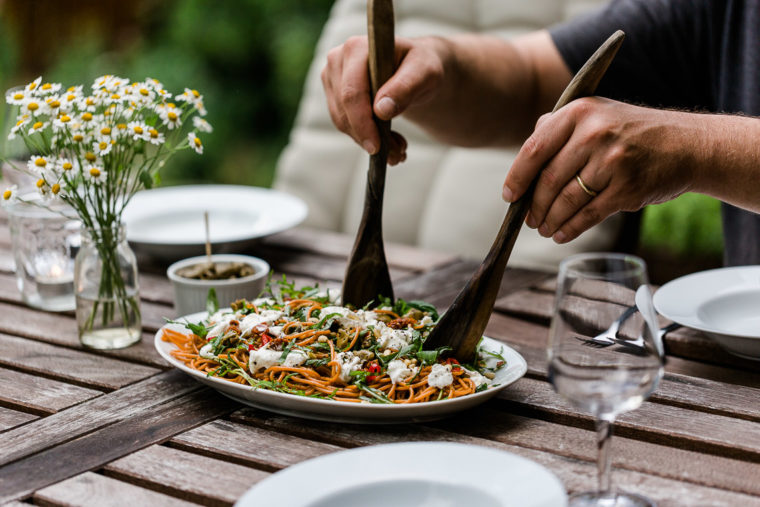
(703, 55)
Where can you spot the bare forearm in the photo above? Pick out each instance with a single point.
(493, 91)
(727, 159)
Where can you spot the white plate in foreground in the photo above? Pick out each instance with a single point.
(724, 303)
(414, 474)
(341, 411)
(168, 222)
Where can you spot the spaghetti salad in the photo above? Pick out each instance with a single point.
(299, 341)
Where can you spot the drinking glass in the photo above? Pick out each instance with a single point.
(604, 353)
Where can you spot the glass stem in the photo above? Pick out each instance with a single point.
(603, 441)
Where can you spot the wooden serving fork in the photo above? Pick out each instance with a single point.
(463, 324)
(367, 274)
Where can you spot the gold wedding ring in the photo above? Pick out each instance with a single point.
(592, 193)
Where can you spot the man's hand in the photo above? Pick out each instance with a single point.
(346, 82)
(630, 156)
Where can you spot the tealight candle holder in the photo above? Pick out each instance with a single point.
(45, 242)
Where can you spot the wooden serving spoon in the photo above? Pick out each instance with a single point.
(463, 324)
(367, 274)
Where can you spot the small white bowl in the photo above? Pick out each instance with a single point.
(190, 295)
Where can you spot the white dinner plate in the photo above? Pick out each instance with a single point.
(341, 411)
(168, 222)
(412, 474)
(724, 303)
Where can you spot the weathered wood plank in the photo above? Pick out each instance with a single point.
(138, 430)
(39, 394)
(655, 459)
(575, 474)
(94, 489)
(185, 475)
(156, 288)
(61, 329)
(334, 244)
(11, 418)
(441, 286)
(651, 422)
(71, 365)
(131, 401)
(272, 451)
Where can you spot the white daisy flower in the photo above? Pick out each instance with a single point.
(21, 122)
(38, 126)
(49, 88)
(155, 137)
(62, 122)
(94, 174)
(170, 115)
(194, 98)
(53, 103)
(70, 98)
(138, 130)
(202, 125)
(34, 106)
(93, 159)
(142, 94)
(10, 195)
(102, 146)
(120, 130)
(16, 96)
(32, 87)
(43, 186)
(195, 143)
(64, 165)
(38, 164)
(89, 103)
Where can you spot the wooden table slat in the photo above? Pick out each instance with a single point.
(185, 475)
(74, 366)
(10, 418)
(40, 394)
(20, 478)
(94, 489)
(653, 422)
(233, 442)
(135, 400)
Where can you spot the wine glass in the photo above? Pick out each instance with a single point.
(604, 353)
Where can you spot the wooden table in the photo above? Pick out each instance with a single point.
(81, 427)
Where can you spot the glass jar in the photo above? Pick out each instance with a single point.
(106, 290)
(44, 241)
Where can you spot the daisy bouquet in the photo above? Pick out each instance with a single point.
(95, 148)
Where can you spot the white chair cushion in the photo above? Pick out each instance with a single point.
(442, 197)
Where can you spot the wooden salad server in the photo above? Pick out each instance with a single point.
(367, 274)
(463, 324)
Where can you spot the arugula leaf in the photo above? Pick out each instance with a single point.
(212, 303)
(317, 362)
(286, 351)
(427, 357)
(424, 307)
(326, 321)
(197, 329)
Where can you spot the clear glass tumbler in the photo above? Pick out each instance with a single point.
(604, 353)
(45, 243)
